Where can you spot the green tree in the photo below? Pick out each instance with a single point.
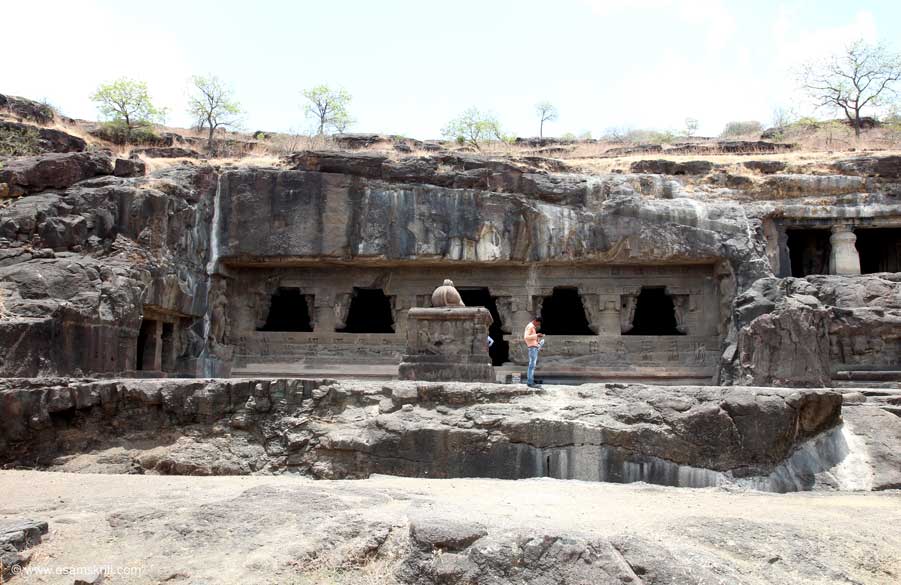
(547, 112)
(860, 76)
(212, 105)
(328, 107)
(741, 128)
(474, 128)
(128, 102)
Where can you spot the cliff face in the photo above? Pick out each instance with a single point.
(82, 260)
(80, 264)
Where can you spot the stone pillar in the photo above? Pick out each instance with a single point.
(783, 254)
(401, 306)
(322, 311)
(844, 258)
(608, 319)
(522, 309)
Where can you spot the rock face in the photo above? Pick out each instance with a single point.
(202, 252)
(79, 268)
(46, 139)
(53, 171)
(803, 331)
(26, 109)
(689, 436)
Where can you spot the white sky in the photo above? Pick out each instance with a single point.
(411, 65)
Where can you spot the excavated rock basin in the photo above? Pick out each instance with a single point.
(767, 438)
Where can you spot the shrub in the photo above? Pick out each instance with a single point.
(742, 128)
(117, 132)
(14, 142)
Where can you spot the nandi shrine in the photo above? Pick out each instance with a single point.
(326, 318)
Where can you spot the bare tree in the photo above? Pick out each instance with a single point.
(783, 117)
(860, 76)
(546, 113)
(691, 127)
(211, 103)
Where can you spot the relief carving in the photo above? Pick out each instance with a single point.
(627, 315)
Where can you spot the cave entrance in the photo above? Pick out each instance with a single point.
(369, 312)
(481, 297)
(655, 313)
(288, 311)
(879, 249)
(148, 343)
(809, 251)
(562, 313)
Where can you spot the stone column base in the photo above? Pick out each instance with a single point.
(436, 370)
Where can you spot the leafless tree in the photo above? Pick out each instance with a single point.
(861, 76)
(546, 113)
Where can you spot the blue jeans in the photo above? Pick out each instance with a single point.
(533, 360)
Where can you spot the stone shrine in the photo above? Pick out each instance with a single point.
(447, 342)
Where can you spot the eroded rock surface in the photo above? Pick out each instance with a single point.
(689, 436)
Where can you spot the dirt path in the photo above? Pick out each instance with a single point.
(286, 529)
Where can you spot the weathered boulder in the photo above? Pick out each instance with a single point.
(53, 171)
(46, 139)
(669, 167)
(788, 347)
(129, 167)
(16, 536)
(886, 167)
(166, 152)
(356, 141)
(23, 108)
(765, 167)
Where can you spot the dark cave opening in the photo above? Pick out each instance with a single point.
(146, 344)
(809, 251)
(879, 249)
(655, 313)
(288, 311)
(481, 297)
(562, 313)
(369, 312)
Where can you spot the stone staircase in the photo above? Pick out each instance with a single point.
(884, 395)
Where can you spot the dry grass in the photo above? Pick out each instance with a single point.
(376, 572)
(2, 304)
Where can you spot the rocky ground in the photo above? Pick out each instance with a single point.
(153, 529)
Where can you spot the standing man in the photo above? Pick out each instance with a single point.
(532, 339)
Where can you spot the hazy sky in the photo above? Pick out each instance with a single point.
(411, 65)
